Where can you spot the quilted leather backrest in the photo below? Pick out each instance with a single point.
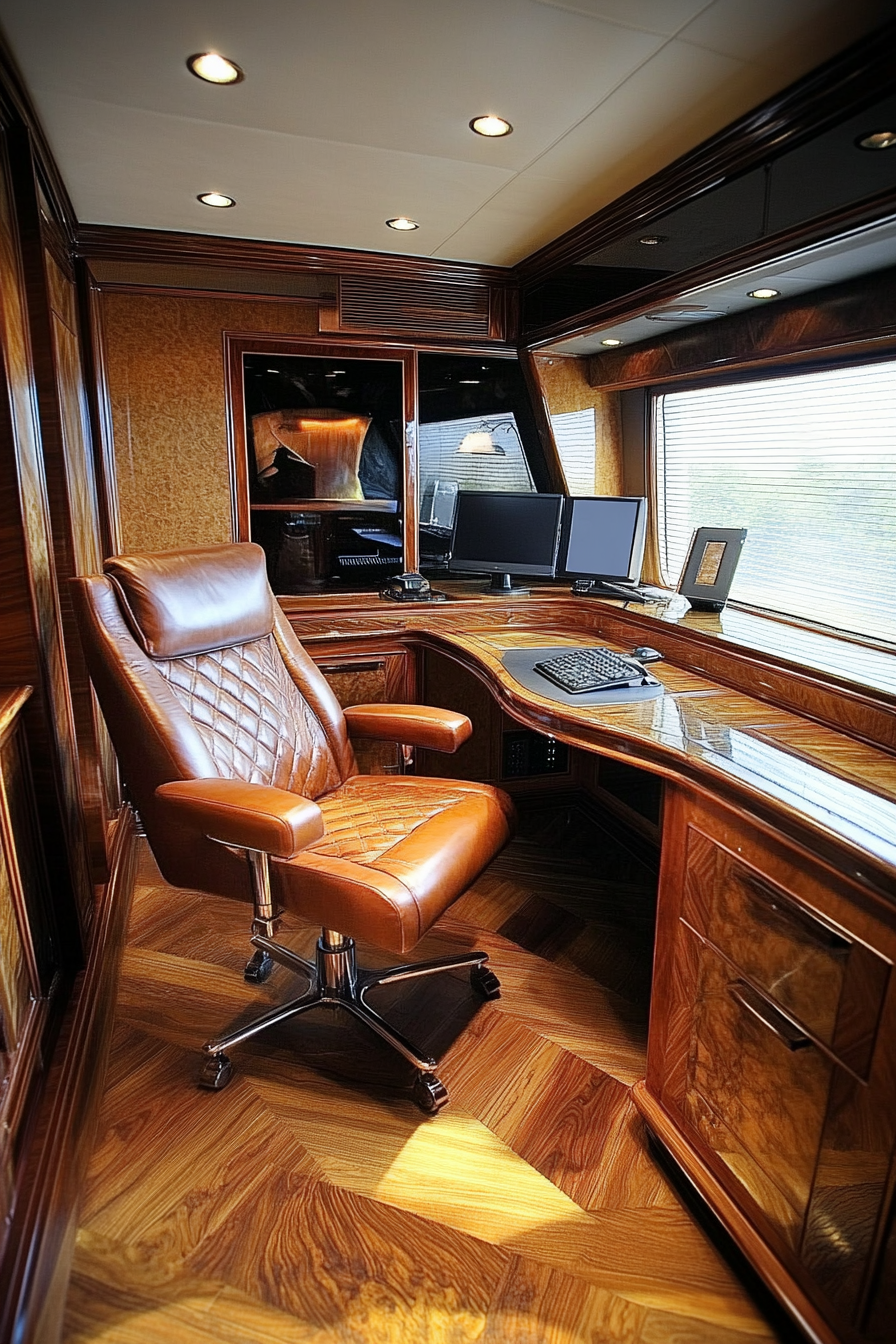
(257, 725)
(209, 624)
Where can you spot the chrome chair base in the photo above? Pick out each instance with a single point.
(336, 979)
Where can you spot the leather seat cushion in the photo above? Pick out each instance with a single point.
(397, 851)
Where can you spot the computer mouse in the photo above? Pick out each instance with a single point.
(644, 654)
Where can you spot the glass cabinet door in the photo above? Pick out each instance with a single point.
(319, 441)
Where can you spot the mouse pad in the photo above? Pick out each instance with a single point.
(520, 663)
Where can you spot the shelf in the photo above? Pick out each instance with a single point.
(328, 506)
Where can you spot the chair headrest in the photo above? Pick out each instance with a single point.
(179, 603)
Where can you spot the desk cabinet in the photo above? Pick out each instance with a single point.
(370, 676)
(772, 1059)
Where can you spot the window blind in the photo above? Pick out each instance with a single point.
(574, 435)
(439, 459)
(807, 463)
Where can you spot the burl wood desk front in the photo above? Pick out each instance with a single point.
(771, 1073)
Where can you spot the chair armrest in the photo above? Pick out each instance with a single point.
(414, 725)
(250, 816)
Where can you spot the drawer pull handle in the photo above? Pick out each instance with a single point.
(768, 1015)
(328, 668)
(788, 911)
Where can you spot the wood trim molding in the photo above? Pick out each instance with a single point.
(100, 404)
(542, 415)
(34, 1275)
(848, 81)
(112, 242)
(238, 344)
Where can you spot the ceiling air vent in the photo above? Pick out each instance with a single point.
(414, 306)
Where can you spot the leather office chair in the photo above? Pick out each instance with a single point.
(233, 746)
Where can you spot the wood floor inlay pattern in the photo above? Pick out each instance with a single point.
(299, 1207)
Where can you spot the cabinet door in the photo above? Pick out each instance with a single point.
(26, 949)
(363, 678)
(773, 1042)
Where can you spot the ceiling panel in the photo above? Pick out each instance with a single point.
(655, 16)
(353, 111)
(398, 74)
(284, 184)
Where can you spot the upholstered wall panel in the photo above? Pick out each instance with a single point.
(165, 369)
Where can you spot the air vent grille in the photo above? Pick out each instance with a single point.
(409, 305)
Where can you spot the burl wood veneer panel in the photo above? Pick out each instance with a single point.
(165, 368)
(566, 388)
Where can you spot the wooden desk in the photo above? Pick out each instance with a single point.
(772, 1052)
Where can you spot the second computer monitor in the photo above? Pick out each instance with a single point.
(502, 533)
(603, 537)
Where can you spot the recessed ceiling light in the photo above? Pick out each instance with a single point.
(214, 69)
(877, 140)
(491, 126)
(216, 199)
(611, 340)
(651, 239)
(401, 222)
(763, 293)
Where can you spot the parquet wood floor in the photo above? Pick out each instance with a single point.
(299, 1207)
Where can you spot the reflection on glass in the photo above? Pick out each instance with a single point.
(476, 432)
(324, 439)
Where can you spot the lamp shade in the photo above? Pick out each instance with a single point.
(480, 441)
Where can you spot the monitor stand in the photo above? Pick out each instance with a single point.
(603, 588)
(501, 586)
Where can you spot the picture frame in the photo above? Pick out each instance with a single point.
(709, 569)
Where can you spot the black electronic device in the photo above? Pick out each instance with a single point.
(645, 654)
(503, 534)
(597, 669)
(411, 587)
(602, 544)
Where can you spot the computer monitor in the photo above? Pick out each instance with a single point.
(501, 533)
(603, 540)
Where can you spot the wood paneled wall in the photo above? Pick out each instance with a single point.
(164, 361)
(31, 642)
(67, 453)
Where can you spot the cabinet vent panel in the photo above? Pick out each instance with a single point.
(413, 306)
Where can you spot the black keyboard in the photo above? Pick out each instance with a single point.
(598, 669)
(374, 561)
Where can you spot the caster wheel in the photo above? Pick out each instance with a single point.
(485, 982)
(258, 968)
(215, 1073)
(429, 1094)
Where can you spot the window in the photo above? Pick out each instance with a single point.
(576, 440)
(807, 463)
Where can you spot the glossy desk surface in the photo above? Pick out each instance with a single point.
(833, 792)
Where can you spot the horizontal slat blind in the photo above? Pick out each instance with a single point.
(574, 435)
(440, 460)
(808, 464)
